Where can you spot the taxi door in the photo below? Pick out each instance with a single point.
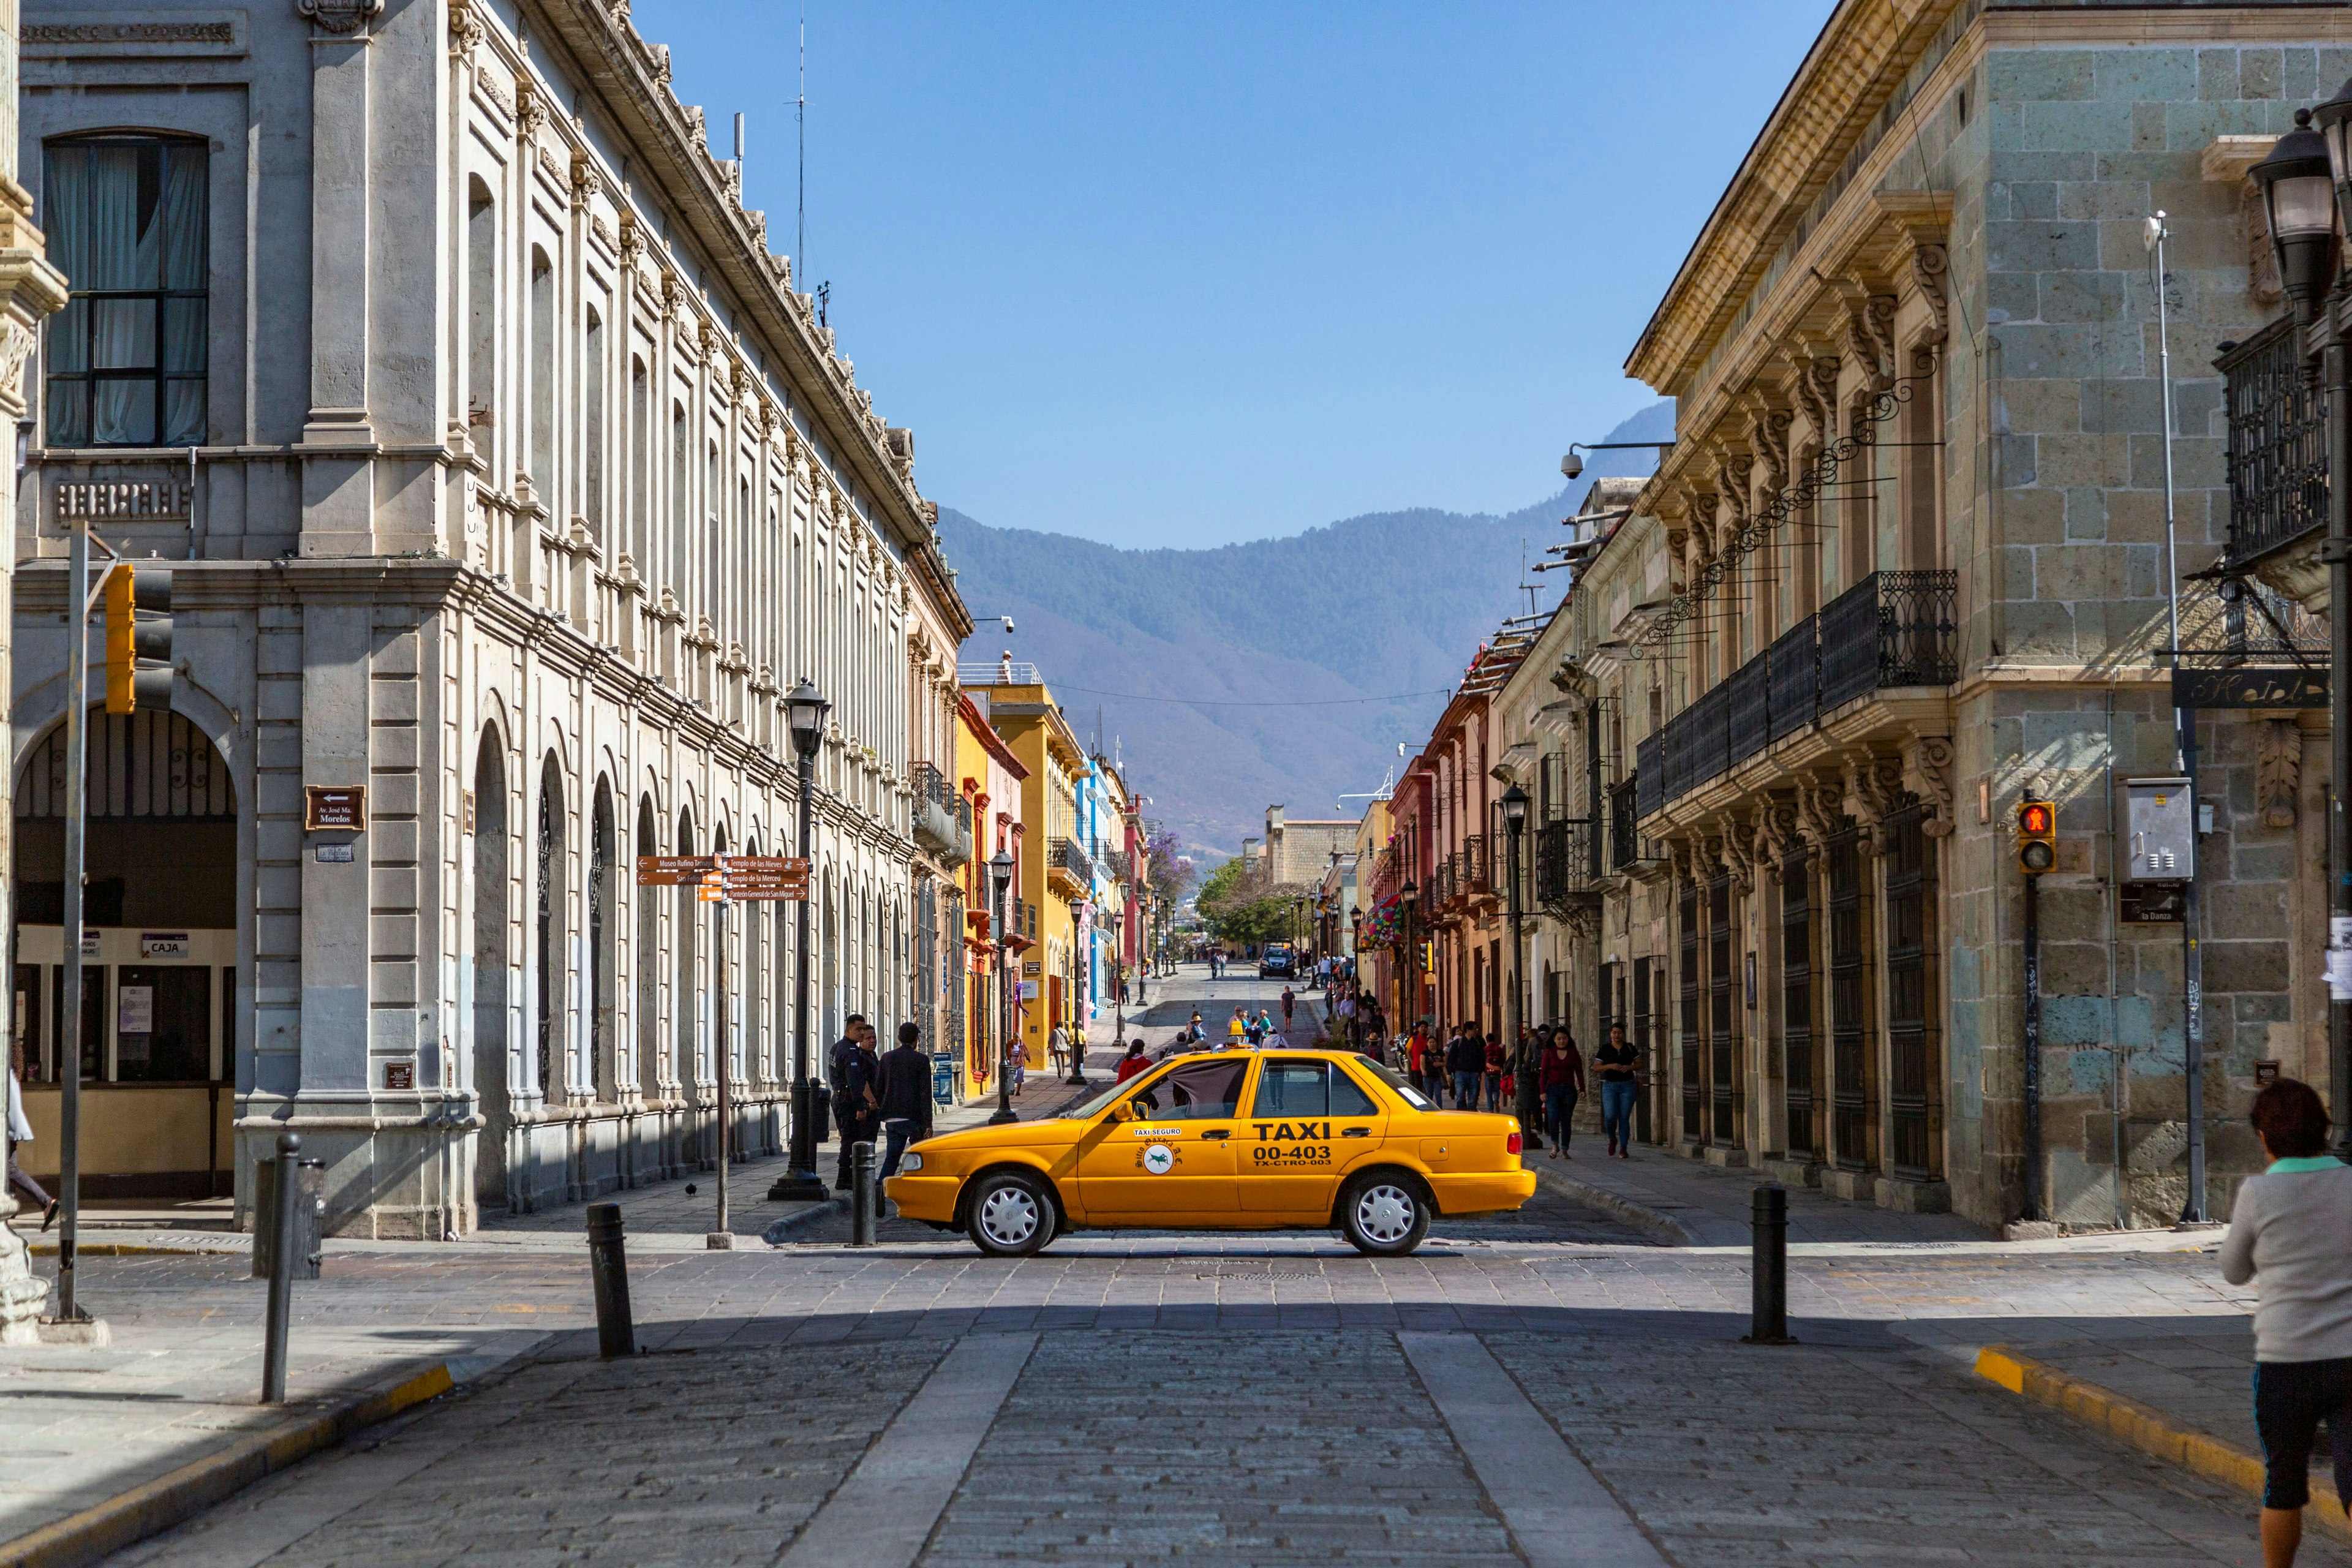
(1173, 1164)
(1309, 1123)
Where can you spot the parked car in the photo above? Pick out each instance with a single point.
(1278, 961)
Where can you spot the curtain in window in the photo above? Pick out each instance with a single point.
(68, 334)
(184, 230)
(125, 252)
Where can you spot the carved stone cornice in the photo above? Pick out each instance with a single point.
(1928, 774)
(1738, 844)
(1930, 265)
(1872, 783)
(341, 18)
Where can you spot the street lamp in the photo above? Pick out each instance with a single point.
(1408, 1002)
(1000, 875)
(1515, 821)
(2295, 180)
(804, 711)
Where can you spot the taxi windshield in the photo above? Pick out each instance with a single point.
(1397, 1081)
(1207, 1086)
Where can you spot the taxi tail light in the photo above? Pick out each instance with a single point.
(1514, 1143)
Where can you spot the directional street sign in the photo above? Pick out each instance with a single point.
(750, 876)
(671, 870)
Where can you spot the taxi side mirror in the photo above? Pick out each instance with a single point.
(1123, 1112)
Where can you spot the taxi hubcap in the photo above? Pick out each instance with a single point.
(1384, 1214)
(1009, 1216)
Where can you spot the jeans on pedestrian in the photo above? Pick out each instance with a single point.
(897, 1132)
(1617, 1110)
(1560, 1106)
(2291, 1399)
(25, 1184)
(1493, 1091)
(1465, 1088)
(851, 1127)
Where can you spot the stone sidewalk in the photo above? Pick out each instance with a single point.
(1693, 1203)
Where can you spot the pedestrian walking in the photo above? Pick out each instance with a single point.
(2286, 1234)
(1465, 1060)
(1494, 1070)
(902, 1099)
(1617, 1062)
(1288, 1001)
(1561, 1081)
(1057, 1049)
(1134, 1062)
(1416, 1060)
(20, 1131)
(851, 1061)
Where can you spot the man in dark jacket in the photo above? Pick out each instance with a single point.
(852, 1062)
(1465, 1060)
(902, 1095)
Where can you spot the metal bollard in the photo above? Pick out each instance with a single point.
(282, 1264)
(1768, 1318)
(861, 1194)
(608, 1269)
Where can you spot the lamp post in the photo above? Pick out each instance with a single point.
(1514, 823)
(2295, 180)
(1000, 877)
(1408, 999)
(804, 711)
(1079, 1006)
(1355, 947)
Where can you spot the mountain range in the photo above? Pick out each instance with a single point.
(1284, 670)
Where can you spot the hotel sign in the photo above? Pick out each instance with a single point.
(2250, 686)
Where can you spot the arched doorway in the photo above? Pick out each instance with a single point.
(490, 1055)
(551, 959)
(648, 976)
(602, 884)
(157, 1017)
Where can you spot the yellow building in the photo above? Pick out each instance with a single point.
(1054, 874)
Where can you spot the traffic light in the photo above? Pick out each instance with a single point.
(2037, 837)
(137, 606)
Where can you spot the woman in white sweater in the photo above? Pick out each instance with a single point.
(2288, 1232)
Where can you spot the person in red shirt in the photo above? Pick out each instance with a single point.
(1493, 1071)
(1417, 1057)
(1134, 1062)
(1561, 1079)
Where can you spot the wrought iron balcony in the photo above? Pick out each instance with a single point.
(1068, 858)
(1891, 629)
(1475, 875)
(1625, 825)
(1564, 877)
(2278, 445)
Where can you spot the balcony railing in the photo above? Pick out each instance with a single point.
(942, 816)
(1891, 629)
(1474, 875)
(1564, 866)
(1070, 858)
(2278, 445)
(1625, 825)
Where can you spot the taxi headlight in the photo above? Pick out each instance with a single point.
(909, 1161)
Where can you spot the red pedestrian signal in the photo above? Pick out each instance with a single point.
(2037, 837)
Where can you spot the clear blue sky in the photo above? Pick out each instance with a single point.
(1191, 272)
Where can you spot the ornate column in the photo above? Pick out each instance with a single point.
(337, 503)
(30, 288)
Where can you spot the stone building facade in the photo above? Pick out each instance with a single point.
(1906, 564)
(506, 476)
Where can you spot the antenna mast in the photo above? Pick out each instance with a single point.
(800, 114)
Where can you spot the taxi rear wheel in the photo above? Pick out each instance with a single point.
(1384, 1215)
(1010, 1215)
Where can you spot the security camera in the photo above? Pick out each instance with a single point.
(1008, 625)
(1571, 466)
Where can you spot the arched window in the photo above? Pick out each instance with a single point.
(542, 378)
(592, 427)
(550, 945)
(127, 220)
(481, 309)
(679, 454)
(648, 945)
(640, 455)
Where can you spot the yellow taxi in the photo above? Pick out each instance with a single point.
(1225, 1140)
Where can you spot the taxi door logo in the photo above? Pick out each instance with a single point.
(1160, 1159)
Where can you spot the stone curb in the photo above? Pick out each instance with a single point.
(153, 1506)
(1649, 1221)
(2151, 1431)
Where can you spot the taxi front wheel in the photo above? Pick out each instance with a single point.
(1384, 1215)
(1010, 1215)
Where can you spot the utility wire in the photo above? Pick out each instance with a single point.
(1225, 703)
